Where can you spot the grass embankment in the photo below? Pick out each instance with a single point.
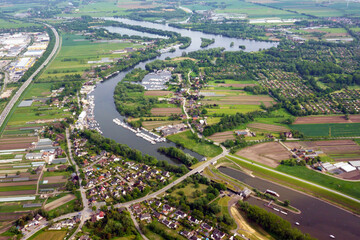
(189, 141)
(349, 188)
(300, 185)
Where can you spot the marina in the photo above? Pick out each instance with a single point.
(143, 133)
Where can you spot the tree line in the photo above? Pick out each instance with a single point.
(178, 154)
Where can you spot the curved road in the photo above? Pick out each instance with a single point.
(17, 95)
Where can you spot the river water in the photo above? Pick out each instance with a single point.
(318, 218)
(105, 110)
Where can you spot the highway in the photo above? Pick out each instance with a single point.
(19, 92)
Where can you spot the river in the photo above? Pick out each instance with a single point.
(105, 110)
(318, 218)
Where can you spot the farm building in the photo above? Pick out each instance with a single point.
(246, 133)
(345, 166)
(328, 166)
(33, 156)
(355, 164)
(59, 160)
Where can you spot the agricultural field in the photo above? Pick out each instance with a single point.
(165, 111)
(327, 119)
(76, 51)
(241, 7)
(10, 207)
(22, 121)
(222, 136)
(233, 101)
(157, 93)
(268, 127)
(187, 140)
(58, 202)
(335, 9)
(9, 142)
(53, 235)
(328, 129)
(270, 153)
(10, 23)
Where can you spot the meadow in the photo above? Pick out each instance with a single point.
(232, 109)
(329, 130)
(337, 8)
(76, 51)
(187, 140)
(9, 23)
(242, 7)
(54, 235)
(189, 191)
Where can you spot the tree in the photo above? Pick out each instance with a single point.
(287, 203)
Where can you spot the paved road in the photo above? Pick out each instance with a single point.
(15, 98)
(137, 225)
(299, 179)
(86, 212)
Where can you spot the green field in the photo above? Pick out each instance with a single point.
(349, 188)
(241, 7)
(189, 191)
(233, 109)
(38, 90)
(13, 207)
(336, 8)
(17, 188)
(187, 140)
(26, 114)
(10, 23)
(53, 235)
(76, 51)
(329, 129)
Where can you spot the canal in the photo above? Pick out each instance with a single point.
(318, 218)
